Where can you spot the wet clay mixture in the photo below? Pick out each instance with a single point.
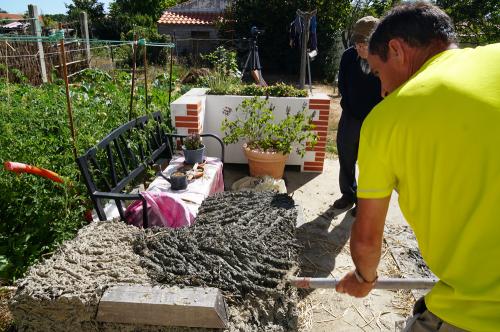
(242, 243)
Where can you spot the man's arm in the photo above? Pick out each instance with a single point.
(366, 244)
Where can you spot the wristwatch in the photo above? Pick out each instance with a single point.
(362, 280)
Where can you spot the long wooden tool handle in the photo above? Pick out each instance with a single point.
(387, 283)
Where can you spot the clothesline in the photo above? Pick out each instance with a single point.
(56, 53)
(60, 36)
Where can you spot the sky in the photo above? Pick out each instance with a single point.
(44, 6)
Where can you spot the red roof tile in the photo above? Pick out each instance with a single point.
(189, 18)
(7, 16)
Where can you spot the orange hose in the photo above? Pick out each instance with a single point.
(23, 168)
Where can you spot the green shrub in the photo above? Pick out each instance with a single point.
(223, 60)
(277, 90)
(193, 142)
(255, 123)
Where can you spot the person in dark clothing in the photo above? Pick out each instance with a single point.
(360, 92)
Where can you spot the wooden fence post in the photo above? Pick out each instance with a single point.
(134, 65)
(84, 28)
(37, 31)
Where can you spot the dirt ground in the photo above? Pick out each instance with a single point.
(5, 315)
(325, 233)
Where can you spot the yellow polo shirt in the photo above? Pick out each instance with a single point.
(436, 140)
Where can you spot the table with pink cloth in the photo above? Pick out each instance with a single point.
(174, 208)
(210, 183)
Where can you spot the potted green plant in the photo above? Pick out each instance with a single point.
(267, 142)
(193, 149)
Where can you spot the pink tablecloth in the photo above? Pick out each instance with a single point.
(212, 182)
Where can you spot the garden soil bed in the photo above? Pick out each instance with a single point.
(243, 243)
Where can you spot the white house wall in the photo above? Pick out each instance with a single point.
(184, 43)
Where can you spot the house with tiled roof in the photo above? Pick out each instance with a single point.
(13, 23)
(194, 24)
(10, 17)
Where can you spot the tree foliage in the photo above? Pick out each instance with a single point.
(275, 16)
(361, 8)
(335, 20)
(477, 22)
(51, 20)
(93, 8)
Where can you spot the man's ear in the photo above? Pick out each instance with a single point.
(397, 50)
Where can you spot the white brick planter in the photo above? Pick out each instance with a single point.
(197, 112)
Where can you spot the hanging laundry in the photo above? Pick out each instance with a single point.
(295, 32)
(313, 37)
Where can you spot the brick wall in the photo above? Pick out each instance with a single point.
(321, 107)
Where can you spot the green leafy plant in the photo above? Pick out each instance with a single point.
(220, 83)
(223, 60)
(37, 214)
(224, 76)
(255, 123)
(276, 90)
(193, 142)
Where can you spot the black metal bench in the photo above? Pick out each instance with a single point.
(124, 155)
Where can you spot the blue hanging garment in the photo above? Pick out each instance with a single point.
(313, 37)
(295, 32)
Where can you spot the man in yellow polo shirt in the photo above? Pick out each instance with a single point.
(435, 139)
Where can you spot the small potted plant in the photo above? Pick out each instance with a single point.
(267, 143)
(193, 149)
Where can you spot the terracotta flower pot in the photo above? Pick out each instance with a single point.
(265, 163)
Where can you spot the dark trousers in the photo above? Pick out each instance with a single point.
(347, 147)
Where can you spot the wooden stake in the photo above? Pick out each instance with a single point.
(134, 51)
(172, 39)
(36, 30)
(84, 27)
(146, 74)
(68, 98)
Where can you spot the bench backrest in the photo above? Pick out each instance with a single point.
(123, 155)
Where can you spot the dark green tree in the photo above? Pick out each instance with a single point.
(477, 22)
(127, 14)
(151, 8)
(361, 8)
(52, 20)
(275, 16)
(94, 9)
(335, 20)
(127, 17)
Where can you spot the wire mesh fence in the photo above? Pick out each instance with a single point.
(21, 58)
